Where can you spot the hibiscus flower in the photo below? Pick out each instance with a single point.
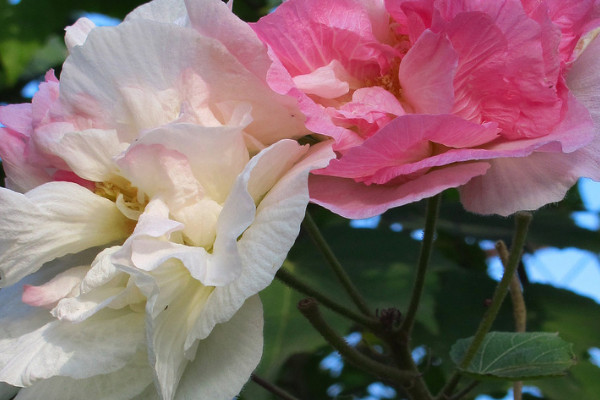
(153, 192)
(492, 97)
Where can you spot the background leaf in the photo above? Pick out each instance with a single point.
(516, 356)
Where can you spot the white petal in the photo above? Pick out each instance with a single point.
(265, 244)
(98, 345)
(226, 358)
(94, 75)
(103, 285)
(173, 305)
(171, 11)
(215, 19)
(88, 153)
(161, 172)
(124, 384)
(62, 285)
(50, 221)
(76, 34)
(216, 155)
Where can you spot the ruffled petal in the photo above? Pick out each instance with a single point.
(427, 74)
(55, 349)
(216, 155)
(356, 200)
(50, 221)
(110, 81)
(583, 79)
(515, 184)
(264, 245)
(123, 384)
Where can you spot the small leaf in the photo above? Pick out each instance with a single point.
(516, 356)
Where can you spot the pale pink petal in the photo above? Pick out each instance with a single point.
(356, 200)
(62, 285)
(329, 81)
(216, 155)
(45, 103)
(583, 79)
(17, 117)
(160, 172)
(528, 183)
(88, 153)
(21, 175)
(214, 19)
(427, 74)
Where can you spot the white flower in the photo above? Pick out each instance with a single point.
(162, 191)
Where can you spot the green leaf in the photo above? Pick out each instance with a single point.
(516, 356)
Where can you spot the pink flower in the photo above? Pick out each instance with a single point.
(156, 190)
(425, 95)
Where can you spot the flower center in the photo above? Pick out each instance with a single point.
(125, 196)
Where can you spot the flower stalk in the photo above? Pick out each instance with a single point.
(433, 208)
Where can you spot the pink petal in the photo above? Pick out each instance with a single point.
(356, 200)
(427, 74)
(514, 184)
(309, 34)
(408, 140)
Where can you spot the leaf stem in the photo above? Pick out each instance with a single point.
(310, 309)
(313, 231)
(276, 390)
(433, 208)
(290, 280)
(522, 220)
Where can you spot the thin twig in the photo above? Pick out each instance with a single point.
(310, 309)
(286, 277)
(276, 390)
(313, 231)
